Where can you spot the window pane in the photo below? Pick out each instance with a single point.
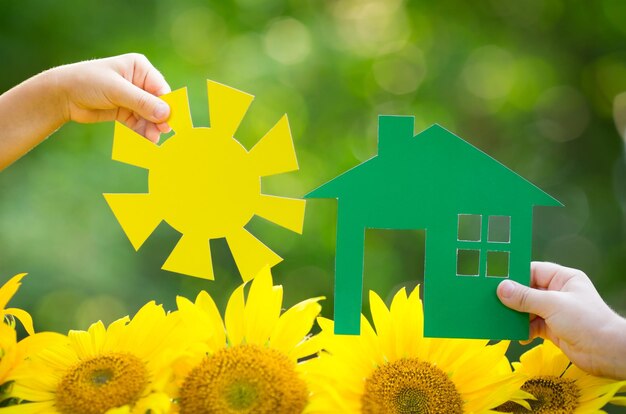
(469, 227)
(467, 262)
(499, 229)
(498, 264)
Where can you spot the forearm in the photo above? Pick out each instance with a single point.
(611, 360)
(29, 113)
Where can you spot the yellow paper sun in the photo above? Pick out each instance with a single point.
(206, 185)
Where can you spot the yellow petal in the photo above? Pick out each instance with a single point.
(621, 401)
(114, 334)
(31, 408)
(234, 317)
(211, 321)
(308, 347)
(87, 344)
(155, 403)
(208, 306)
(294, 325)
(382, 322)
(9, 288)
(262, 308)
(23, 317)
(402, 333)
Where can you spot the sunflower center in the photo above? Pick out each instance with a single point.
(554, 395)
(410, 386)
(244, 379)
(103, 382)
(241, 395)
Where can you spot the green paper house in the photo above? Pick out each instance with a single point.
(477, 217)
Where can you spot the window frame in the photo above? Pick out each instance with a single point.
(484, 245)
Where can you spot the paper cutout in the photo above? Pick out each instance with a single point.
(206, 185)
(431, 181)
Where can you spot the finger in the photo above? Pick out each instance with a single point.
(152, 133)
(140, 127)
(147, 77)
(164, 127)
(550, 276)
(537, 328)
(527, 341)
(148, 106)
(155, 83)
(129, 119)
(524, 299)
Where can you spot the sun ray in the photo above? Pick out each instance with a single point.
(274, 153)
(286, 212)
(191, 256)
(227, 107)
(180, 113)
(250, 254)
(131, 148)
(137, 215)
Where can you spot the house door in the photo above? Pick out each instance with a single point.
(393, 259)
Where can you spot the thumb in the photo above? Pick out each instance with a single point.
(524, 299)
(141, 102)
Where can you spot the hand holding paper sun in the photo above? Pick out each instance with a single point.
(206, 185)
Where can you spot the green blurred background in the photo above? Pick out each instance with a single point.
(531, 83)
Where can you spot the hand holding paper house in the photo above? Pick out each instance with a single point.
(477, 214)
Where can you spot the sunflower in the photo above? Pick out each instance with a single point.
(558, 386)
(119, 369)
(394, 369)
(12, 352)
(247, 362)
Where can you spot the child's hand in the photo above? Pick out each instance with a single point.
(566, 309)
(122, 88)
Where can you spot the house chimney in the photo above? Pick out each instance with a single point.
(393, 130)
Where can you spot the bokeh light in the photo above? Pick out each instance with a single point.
(288, 41)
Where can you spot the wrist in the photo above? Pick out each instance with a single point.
(54, 88)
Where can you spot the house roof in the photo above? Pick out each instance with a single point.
(435, 165)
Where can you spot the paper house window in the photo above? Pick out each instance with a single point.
(469, 228)
(497, 264)
(468, 262)
(499, 229)
(483, 245)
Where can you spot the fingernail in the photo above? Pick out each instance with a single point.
(506, 288)
(164, 90)
(161, 111)
(164, 127)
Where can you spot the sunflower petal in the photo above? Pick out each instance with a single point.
(262, 308)
(621, 401)
(382, 323)
(31, 408)
(86, 343)
(293, 325)
(23, 317)
(234, 317)
(8, 290)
